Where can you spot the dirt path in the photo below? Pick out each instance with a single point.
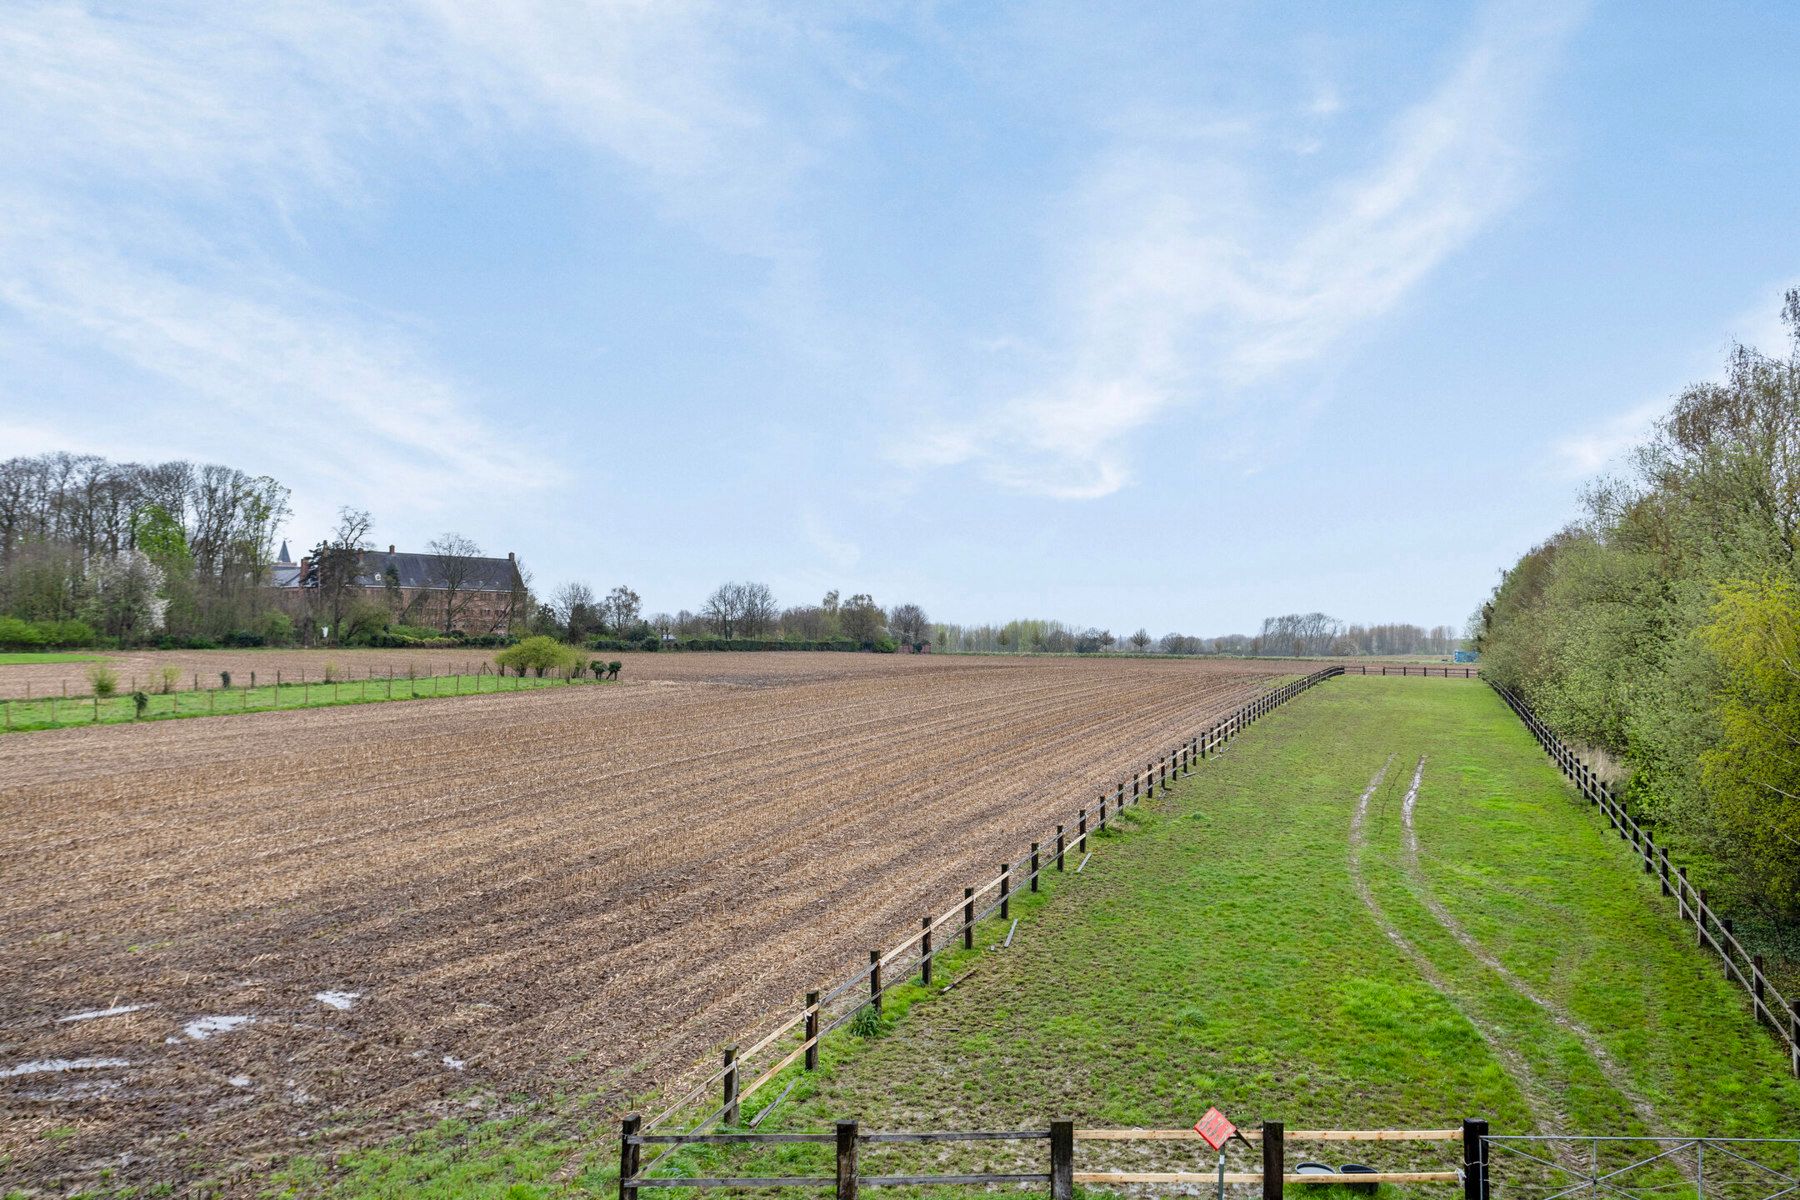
(1546, 1107)
(1609, 1066)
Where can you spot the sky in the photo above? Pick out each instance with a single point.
(1163, 315)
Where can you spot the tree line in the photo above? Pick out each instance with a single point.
(126, 551)
(1662, 628)
(1303, 635)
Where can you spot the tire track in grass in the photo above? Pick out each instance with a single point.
(1510, 1060)
(1565, 1020)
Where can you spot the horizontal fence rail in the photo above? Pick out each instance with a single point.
(1710, 930)
(1060, 1141)
(1404, 669)
(1554, 1166)
(914, 957)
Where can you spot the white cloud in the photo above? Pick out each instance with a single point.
(1184, 280)
(1590, 451)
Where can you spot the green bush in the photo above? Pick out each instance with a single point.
(653, 642)
(598, 668)
(885, 646)
(140, 702)
(612, 669)
(103, 681)
(278, 629)
(44, 635)
(538, 654)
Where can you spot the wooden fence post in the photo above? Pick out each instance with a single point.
(1274, 1160)
(1034, 866)
(1700, 917)
(1681, 884)
(1102, 812)
(1059, 847)
(1662, 869)
(875, 980)
(1475, 1159)
(1005, 890)
(812, 1030)
(628, 1156)
(846, 1160)
(968, 918)
(925, 950)
(1062, 1160)
(1756, 987)
(730, 1115)
(1081, 830)
(1119, 797)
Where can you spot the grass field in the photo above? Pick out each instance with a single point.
(1250, 943)
(23, 657)
(17, 716)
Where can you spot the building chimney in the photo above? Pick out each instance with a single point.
(390, 547)
(509, 556)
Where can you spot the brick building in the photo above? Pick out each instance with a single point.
(473, 594)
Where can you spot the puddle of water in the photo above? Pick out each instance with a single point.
(338, 1000)
(56, 1066)
(201, 1028)
(117, 1010)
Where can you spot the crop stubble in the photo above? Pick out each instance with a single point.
(580, 889)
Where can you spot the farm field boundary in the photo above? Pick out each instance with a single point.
(828, 1009)
(1711, 932)
(60, 712)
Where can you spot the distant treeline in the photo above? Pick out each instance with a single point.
(1664, 627)
(1305, 635)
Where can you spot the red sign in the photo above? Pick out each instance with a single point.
(1214, 1129)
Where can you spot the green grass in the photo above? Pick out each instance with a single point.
(10, 657)
(1216, 951)
(18, 716)
(1220, 954)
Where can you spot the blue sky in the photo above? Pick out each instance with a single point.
(1164, 315)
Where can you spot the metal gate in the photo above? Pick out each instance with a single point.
(1553, 1166)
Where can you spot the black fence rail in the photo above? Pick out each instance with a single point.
(1710, 930)
(1060, 1141)
(1065, 851)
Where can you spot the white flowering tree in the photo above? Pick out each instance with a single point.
(125, 595)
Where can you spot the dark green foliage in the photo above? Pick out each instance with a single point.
(140, 701)
(1652, 629)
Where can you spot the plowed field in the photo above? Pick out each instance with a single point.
(367, 910)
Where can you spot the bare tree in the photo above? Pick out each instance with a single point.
(1140, 639)
(336, 564)
(453, 570)
(622, 608)
(575, 609)
(760, 610)
(724, 609)
(910, 622)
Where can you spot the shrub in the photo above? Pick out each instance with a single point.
(103, 681)
(540, 654)
(170, 677)
(224, 679)
(140, 702)
(885, 646)
(330, 672)
(867, 1022)
(598, 668)
(16, 634)
(652, 643)
(243, 638)
(278, 629)
(612, 669)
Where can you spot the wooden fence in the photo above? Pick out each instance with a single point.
(914, 956)
(1710, 930)
(1403, 669)
(1061, 1176)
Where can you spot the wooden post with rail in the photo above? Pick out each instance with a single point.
(1274, 1159)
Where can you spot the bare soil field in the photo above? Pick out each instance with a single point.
(228, 940)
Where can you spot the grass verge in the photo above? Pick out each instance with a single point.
(20, 716)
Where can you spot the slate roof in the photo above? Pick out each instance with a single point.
(424, 571)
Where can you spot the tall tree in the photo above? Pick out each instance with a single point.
(336, 563)
(910, 622)
(454, 569)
